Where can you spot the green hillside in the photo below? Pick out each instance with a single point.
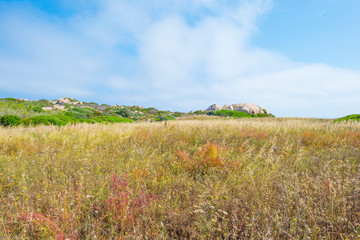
(15, 111)
(353, 117)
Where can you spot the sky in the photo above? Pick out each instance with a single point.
(294, 58)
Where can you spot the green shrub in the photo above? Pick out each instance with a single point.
(72, 100)
(230, 113)
(238, 114)
(150, 110)
(38, 109)
(199, 112)
(111, 119)
(91, 121)
(177, 114)
(108, 110)
(66, 119)
(262, 115)
(81, 113)
(164, 118)
(353, 117)
(93, 104)
(96, 114)
(9, 120)
(62, 120)
(59, 120)
(10, 100)
(124, 112)
(75, 114)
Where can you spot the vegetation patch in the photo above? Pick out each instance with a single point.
(205, 158)
(237, 114)
(9, 120)
(215, 179)
(164, 118)
(59, 120)
(62, 120)
(111, 119)
(353, 117)
(21, 108)
(229, 113)
(81, 113)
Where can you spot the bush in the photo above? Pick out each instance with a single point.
(91, 121)
(59, 120)
(75, 114)
(230, 113)
(353, 117)
(164, 118)
(66, 119)
(111, 119)
(9, 120)
(177, 114)
(96, 114)
(62, 120)
(124, 112)
(238, 114)
(262, 115)
(11, 100)
(93, 104)
(81, 113)
(38, 109)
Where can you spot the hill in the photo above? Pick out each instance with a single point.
(353, 117)
(15, 111)
(69, 110)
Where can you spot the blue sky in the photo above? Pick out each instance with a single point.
(295, 58)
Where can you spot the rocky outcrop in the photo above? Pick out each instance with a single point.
(248, 108)
(60, 104)
(66, 100)
(214, 107)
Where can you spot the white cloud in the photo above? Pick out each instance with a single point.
(41, 57)
(315, 90)
(186, 55)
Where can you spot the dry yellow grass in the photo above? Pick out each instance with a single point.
(219, 179)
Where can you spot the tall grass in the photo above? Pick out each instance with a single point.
(234, 179)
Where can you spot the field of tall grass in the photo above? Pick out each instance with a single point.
(215, 179)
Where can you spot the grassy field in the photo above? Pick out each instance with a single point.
(216, 179)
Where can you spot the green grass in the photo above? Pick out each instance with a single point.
(262, 178)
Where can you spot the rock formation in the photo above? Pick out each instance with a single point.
(60, 104)
(66, 100)
(214, 107)
(248, 108)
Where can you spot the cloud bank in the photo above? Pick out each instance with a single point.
(171, 54)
